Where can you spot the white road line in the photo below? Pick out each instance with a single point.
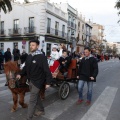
(57, 108)
(5, 93)
(100, 109)
(2, 85)
(106, 69)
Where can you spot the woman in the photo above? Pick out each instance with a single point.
(61, 48)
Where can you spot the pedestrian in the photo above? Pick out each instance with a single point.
(88, 70)
(16, 53)
(43, 51)
(38, 76)
(61, 48)
(1, 61)
(8, 55)
(23, 56)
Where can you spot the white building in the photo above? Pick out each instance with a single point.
(81, 32)
(36, 20)
(72, 21)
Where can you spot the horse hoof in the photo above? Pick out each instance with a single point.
(25, 106)
(13, 110)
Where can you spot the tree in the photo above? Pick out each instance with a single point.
(117, 5)
(5, 5)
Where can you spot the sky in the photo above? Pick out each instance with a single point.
(101, 12)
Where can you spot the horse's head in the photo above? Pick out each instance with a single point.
(11, 69)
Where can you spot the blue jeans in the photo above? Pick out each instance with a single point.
(89, 92)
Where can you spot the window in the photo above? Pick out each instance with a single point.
(2, 27)
(48, 49)
(2, 46)
(56, 28)
(63, 30)
(48, 25)
(31, 24)
(15, 44)
(16, 26)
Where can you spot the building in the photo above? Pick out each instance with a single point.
(40, 20)
(81, 33)
(71, 27)
(88, 26)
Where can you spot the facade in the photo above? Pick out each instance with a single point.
(88, 33)
(40, 20)
(81, 32)
(98, 31)
(72, 24)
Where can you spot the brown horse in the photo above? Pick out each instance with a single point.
(18, 90)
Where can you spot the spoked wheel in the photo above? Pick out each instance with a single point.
(64, 90)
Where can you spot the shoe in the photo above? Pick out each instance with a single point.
(65, 74)
(88, 103)
(79, 102)
(39, 113)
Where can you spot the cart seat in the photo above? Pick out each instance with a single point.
(71, 70)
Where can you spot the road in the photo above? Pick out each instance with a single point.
(105, 104)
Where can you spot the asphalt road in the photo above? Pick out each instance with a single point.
(105, 104)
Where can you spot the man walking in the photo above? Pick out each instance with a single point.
(8, 55)
(87, 73)
(38, 73)
(16, 53)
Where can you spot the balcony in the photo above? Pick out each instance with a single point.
(71, 24)
(56, 32)
(2, 33)
(15, 32)
(29, 30)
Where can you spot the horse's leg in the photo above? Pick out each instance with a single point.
(21, 100)
(15, 102)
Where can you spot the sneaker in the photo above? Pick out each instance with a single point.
(39, 113)
(88, 103)
(79, 102)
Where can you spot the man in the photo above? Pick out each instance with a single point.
(8, 55)
(16, 53)
(23, 56)
(38, 73)
(87, 73)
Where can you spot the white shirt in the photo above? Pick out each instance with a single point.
(55, 55)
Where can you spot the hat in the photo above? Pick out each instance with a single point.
(55, 46)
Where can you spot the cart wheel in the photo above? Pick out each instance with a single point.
(64, 90)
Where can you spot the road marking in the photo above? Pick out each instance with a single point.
(106, 69)
(100, 109)
(57, 108)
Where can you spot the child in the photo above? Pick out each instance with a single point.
(65, 61)
(54, 55)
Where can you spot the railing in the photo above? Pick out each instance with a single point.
(71, 24)
(16, 31)
(56, 32)
(2, 32)
(29, 30)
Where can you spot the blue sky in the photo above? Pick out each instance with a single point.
(101, 12)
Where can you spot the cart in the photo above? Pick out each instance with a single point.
(63, 83)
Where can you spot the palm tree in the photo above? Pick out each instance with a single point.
(117, 5)
(5, 4)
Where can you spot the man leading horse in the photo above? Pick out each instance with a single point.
(38, 73)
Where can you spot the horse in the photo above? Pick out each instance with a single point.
(17, 87)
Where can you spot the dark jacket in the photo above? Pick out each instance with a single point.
(1, 57)
(23, 57)
(67, 59)
(16, 53)
(7, 56)
(37, 70)
(88, 68)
